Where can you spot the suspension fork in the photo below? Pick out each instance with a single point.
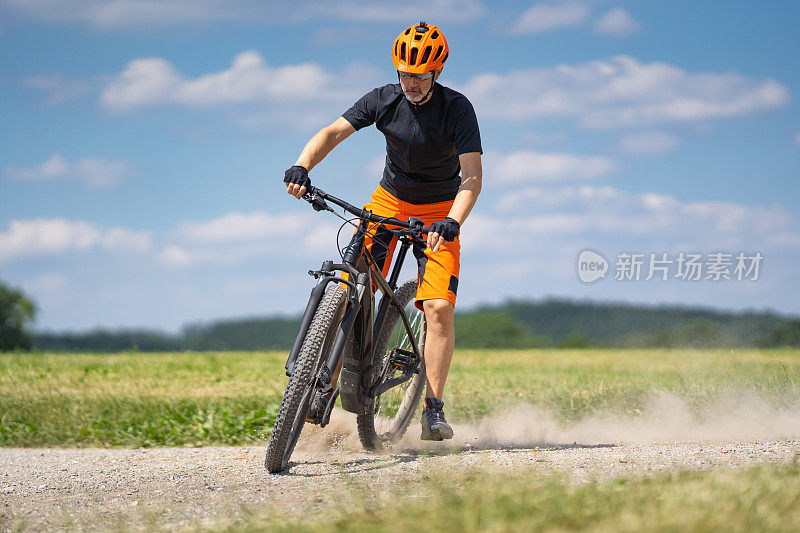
(354, 263)
(345, 328)
(313, 303)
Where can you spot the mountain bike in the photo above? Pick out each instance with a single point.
(376, 350)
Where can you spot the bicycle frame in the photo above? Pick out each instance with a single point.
(360, 323)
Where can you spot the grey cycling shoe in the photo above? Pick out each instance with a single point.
(434, 426)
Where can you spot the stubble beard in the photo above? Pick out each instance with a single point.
(417, 97)
(414, 97)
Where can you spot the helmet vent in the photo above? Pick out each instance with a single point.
(419, 48)
(425, 55)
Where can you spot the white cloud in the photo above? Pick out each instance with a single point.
(125, 240)
(92, 172)
(653, 142)
(114, 14)
(452, 11)
(543, 228)
(235, 237)
(550, 16)
(62, 88)
(155, 81)
(528, 165)
(607, 212)
(127, 14)
(621, 91)
(56, 236)
(222, 265)
(617, 23)
(237, 227)
(175, 256)
(229, 239)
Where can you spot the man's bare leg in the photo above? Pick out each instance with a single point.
(440, 341)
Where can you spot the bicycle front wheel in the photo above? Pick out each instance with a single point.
(389, 415)
(300, 392)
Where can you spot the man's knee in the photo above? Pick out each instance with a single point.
(438, 312)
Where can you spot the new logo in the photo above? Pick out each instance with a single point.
(591, 266)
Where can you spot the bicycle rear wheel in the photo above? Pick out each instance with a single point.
(300, 392)
(389, 415)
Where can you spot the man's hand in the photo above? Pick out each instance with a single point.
(441, 232)
(297, 181)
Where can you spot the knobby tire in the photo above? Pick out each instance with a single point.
(299, 393)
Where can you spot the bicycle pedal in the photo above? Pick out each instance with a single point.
(404, 360)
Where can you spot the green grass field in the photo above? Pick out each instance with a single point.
(763, 498)
(190, 399)
(195, 399)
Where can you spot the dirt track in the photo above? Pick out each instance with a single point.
(186, 487)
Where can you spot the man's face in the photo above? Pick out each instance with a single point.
(414, 88)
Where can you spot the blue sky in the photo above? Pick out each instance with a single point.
(143, 145)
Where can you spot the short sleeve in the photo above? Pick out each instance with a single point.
(364, 112)
(467, 136)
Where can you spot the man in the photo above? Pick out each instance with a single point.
(433, 172)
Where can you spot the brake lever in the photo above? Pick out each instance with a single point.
(416, 223)
(316, 202)
(417, 227)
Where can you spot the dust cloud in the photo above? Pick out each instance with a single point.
(667, 418)
(340, 435)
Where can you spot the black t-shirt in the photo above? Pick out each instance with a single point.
(422, 142)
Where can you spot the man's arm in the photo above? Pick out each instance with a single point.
(318, 147)
(471, 175)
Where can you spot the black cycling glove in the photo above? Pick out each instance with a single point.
(298, 175)
(447, 228)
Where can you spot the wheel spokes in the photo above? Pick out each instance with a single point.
(390, 402)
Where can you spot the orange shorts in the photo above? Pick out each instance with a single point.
(438, 272)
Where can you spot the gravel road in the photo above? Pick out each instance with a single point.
(190, 487)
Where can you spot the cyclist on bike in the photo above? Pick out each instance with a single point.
(433, 172)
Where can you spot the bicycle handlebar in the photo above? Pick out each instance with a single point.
(317, 197)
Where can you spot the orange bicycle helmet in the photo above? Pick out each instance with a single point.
(420, 48)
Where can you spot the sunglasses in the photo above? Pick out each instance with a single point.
(421, 77)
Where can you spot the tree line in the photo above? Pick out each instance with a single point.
(559, 323)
